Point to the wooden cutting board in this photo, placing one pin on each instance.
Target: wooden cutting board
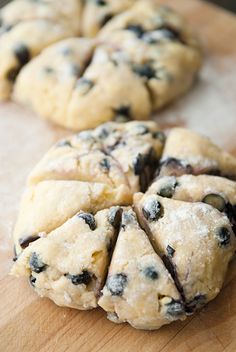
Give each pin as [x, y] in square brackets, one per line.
[28, 323]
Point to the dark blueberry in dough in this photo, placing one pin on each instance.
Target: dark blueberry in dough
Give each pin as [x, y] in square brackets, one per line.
[36, 263]
[122, 113]
[139, 164]
[223, 236]
[151, 273]
[170, 251]
[116, 284]
[197, 302]
[174, 167]
[32, 280]
[168, 190]
[215, 200]
[85, 84]
[15, 254]
[105, 165]
[175, 308]
[84, 278]
[66, 51]
[48, 70]
[145, 70]
[12, 74]
[103, 133]
[114, 216]
[64, 143]
[159, 135]
[128, 218]
[152, 210]
[141, 129]
[89, 219]
[106, 19]
[75, 70]
[22, 54]
[101, 2]
[169, 33]
[25, 241]
[230, 211]
[136, 29]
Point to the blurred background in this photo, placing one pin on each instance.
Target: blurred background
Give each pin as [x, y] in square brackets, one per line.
[227, 4]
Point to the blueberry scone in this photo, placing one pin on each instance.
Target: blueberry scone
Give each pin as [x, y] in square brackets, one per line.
[195, 241]
[139, 289]
[141, 60]
[26, 29]
[61, 267]
[216, 191]
[82, 244]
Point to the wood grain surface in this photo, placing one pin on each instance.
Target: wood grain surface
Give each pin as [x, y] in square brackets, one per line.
[28, 323]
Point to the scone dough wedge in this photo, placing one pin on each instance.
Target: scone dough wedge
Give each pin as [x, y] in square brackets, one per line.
[48, 204]
[139, 290]
[70, 264]
[218, 192]
[187, 152]
[53, 75]
[195, 241]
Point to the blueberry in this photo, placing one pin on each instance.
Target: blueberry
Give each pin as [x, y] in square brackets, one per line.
[145, 70]
[116, 284]
[89, 220]
[139, 164]
[84, 85]
[84, 278]
[151, 273]
[159, 135]
[12, 74]
[175, 308]
[64, 143]
[168, 190]
[36, 264]
[32, 280]
[106, 19]
[122, 113]
[215, 200]
[197, 302]
[100, 2]
[223, 236]
[114, 216]
[105, 164]
[66, 51]
[103, 133]
[170, 251]
[22, 54]
[25, 241]
[230, 211]
[127, 219]
[152, 210]
[141, 129]
[174, 167]
[136, 29]
[48, 70]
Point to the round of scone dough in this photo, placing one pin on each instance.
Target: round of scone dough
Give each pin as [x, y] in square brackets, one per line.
[98, 12]
[139, 289]
[218, 192]
[141, 60]
[170, 256]
[195, 241]
[70, 264]
[187, 152]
